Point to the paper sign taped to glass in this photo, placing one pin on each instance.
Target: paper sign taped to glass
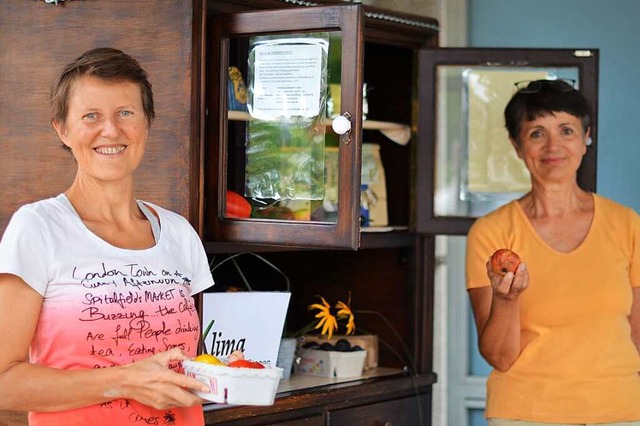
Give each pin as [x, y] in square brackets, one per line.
[287, 92]
[250, 321]
[493, 166]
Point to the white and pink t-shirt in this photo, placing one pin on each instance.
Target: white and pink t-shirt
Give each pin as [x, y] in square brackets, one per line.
[105, 306]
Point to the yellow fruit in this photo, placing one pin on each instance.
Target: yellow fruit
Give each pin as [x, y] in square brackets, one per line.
[208, 359]
[302, 215]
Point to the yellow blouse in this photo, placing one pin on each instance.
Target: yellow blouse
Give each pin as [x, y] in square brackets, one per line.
[578, 363]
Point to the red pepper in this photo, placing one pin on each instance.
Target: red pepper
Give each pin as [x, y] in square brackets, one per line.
[245, 363]
[237, 206]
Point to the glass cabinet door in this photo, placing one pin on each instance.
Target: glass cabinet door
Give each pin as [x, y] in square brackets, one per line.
[471, 167]
[282, 157]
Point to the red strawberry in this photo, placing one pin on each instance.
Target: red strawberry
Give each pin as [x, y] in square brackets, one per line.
[245, 363]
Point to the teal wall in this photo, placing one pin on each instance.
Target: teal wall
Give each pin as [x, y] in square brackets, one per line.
[613, 27]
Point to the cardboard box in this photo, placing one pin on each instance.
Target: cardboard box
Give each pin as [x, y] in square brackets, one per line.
[369, 342]
[372, 175]
[331, 363]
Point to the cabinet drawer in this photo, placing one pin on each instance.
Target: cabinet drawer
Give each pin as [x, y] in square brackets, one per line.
[293, 417]
[318, 420]
[411, 411]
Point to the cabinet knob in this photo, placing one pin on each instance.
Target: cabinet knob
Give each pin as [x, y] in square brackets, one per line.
[341, 124]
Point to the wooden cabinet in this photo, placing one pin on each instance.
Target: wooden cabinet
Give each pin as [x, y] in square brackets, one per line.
[389, 273]
[462, 98]
[371, 47]
[13, 418]
[409, 411]
[402, 401]
[229, 150]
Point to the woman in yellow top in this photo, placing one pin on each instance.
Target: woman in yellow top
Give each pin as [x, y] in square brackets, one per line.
[563, 332]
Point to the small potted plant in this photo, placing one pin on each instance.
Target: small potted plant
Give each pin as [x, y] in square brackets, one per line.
[330, 354]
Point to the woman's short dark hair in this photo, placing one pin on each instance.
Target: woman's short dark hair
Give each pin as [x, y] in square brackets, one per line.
[544, 97]
[104, 63]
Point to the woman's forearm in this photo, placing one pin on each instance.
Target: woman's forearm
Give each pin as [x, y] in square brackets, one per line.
[151, 382]
[28, 387]
[499, 339]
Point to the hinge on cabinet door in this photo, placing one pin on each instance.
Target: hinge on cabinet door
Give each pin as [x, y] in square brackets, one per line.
[582, 53]
[300, 2]
[509, 63]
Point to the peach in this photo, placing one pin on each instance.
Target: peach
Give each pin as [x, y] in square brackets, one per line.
[503, 261]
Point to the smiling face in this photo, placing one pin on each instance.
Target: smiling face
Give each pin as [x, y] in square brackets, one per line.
[552, 147]
[106, 128]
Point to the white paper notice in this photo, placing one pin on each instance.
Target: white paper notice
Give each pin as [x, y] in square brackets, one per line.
[287, 81]
[250, 321]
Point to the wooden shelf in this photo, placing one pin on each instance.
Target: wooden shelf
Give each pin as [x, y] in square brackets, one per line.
[399, 133]
[306, 382]
[369, 240]
[314, 401]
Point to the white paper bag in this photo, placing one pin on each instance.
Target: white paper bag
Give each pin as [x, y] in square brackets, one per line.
[249, 321]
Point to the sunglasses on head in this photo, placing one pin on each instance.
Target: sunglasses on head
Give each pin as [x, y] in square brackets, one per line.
[534, 86]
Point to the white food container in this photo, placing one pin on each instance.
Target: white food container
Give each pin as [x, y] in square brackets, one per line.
[231, 385]
[331, 363]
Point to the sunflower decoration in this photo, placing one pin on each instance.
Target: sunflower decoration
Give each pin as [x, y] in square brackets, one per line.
[328, 321]
[344, 311]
